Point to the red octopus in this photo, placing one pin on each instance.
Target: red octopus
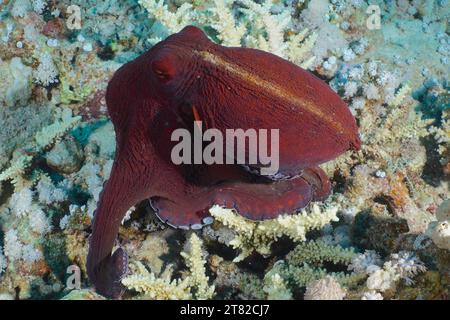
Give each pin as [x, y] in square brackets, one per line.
[187, 77]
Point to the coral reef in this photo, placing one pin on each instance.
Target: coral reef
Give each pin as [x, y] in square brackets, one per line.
[259, 236]
[383, 234]
[195, 285]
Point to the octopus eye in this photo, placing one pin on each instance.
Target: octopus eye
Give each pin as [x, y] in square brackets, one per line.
[161, 75]
[164, 67]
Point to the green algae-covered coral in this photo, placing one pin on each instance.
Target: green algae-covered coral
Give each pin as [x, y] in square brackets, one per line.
[310, 261]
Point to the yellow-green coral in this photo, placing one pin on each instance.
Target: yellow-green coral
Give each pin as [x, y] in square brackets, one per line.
[401, 94]
[261, 28]
[230, 33]
[276, 288]
[196, 264]
[16, 169]
[299, 48]
[301, 276]
[305, 264]
[50, 134]
[173, 21]
[76, 95]
[442, 135]
[195, 285]
[259, 236]
[152, 287]
[317, 252]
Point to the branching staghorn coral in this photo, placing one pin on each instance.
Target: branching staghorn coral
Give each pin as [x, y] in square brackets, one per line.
[390, 128]
[393, 155]
[299, 48]
[196, 264]
[151, 287]
[274, 24]
[230, 31]
[173, 21]
[305, 264]
[276, 288]
[252, 25]
[387, 110]
[52, 133]
[259, 236]
[442, 135]
[398, 118]
[44, 138]
[17, 168]
[195, 285]
[317, 252]
[404, 91]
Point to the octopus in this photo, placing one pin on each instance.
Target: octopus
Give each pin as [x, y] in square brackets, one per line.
[187, 78]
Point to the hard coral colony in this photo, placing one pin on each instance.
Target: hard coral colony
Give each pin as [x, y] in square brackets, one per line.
[356, 210]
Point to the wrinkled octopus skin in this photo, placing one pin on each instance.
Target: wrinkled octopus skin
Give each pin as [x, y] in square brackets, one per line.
[187, 77]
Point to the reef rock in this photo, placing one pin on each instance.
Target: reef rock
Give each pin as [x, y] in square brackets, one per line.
[66, 156]
[439, 231]
[325, 289]
[15, 87]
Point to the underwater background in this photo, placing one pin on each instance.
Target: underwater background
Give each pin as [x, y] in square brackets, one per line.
[384, 233]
